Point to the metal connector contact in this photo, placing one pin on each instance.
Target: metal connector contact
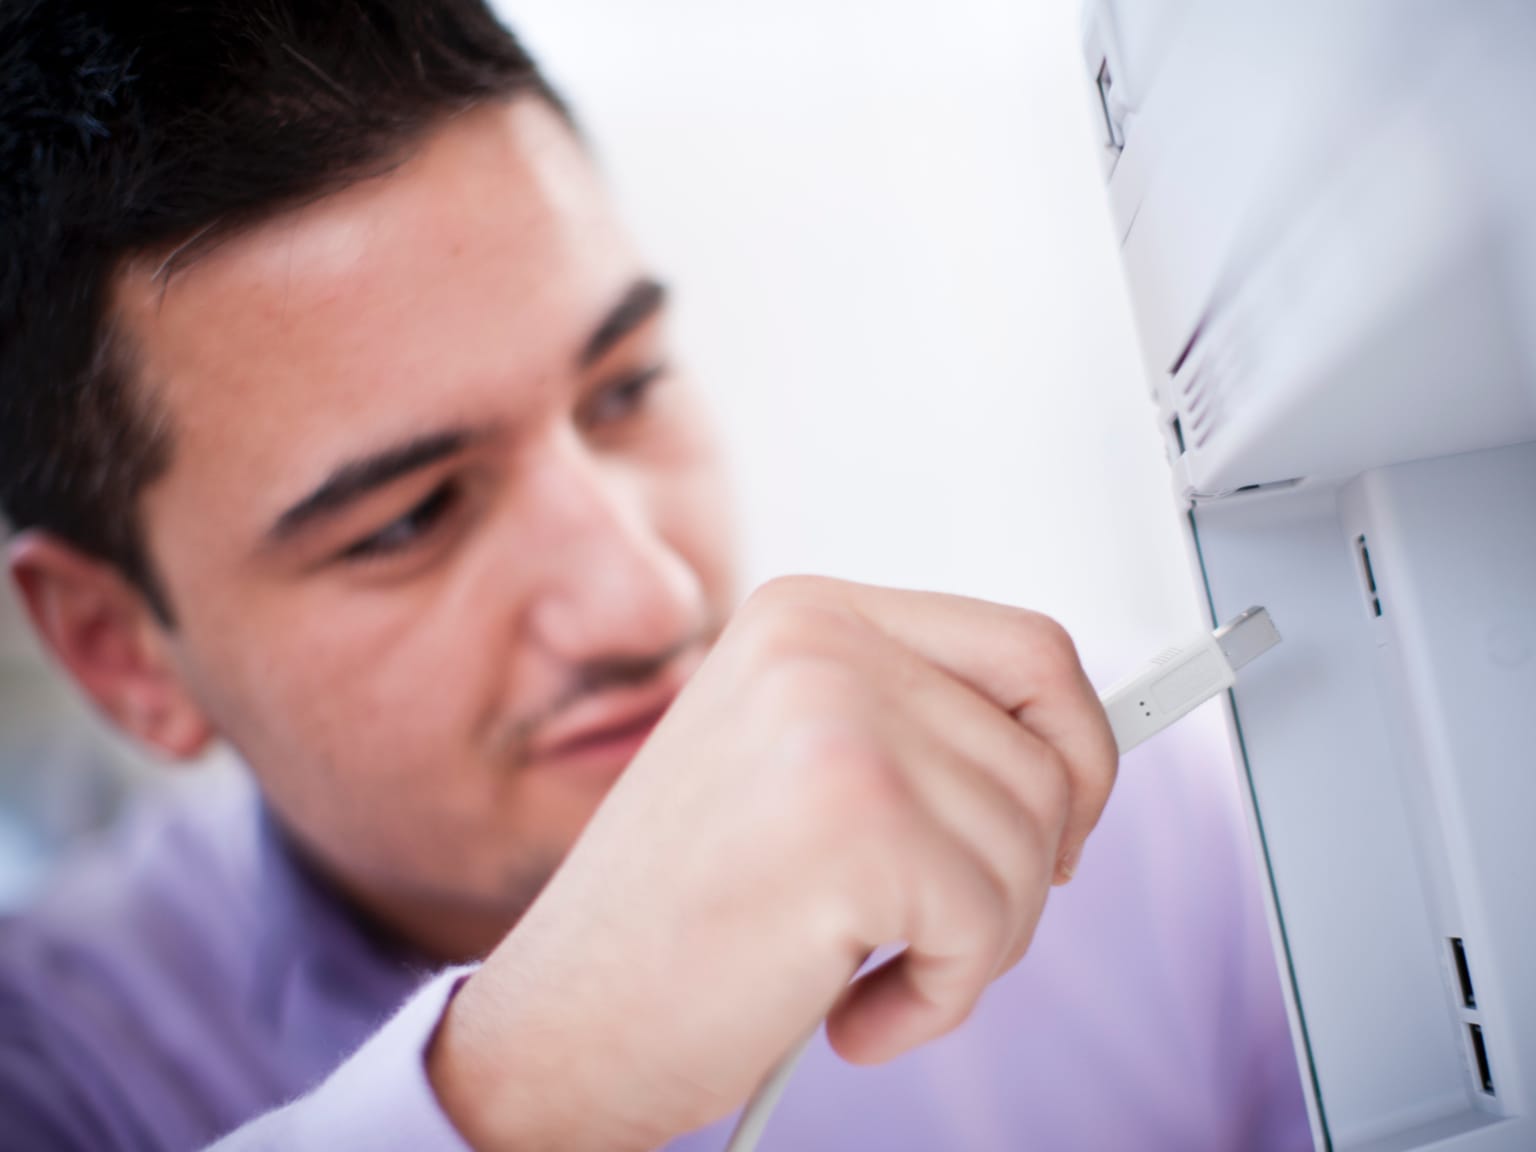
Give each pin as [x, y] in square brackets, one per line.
[1245, 638]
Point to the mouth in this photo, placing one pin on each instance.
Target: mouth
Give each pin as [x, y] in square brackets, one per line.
[600, 735]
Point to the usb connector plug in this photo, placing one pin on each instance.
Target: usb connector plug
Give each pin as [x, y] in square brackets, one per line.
[1179, 680]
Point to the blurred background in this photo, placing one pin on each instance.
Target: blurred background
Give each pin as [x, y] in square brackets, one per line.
[896, 276]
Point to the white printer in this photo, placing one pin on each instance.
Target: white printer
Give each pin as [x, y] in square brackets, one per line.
[1327, 217]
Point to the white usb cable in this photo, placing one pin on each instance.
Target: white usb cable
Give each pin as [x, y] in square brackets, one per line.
[1174, 683]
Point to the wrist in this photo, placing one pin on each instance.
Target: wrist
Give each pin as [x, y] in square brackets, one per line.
[510, 1096]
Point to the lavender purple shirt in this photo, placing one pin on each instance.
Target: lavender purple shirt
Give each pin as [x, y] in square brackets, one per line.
[188, 982]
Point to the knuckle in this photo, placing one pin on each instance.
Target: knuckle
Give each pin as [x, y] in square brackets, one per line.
[778, 625]
[774, 592]
[770, 638]
[781, 591]
[1053, 643]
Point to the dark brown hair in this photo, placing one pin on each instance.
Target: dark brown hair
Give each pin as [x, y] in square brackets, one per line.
[147, 126]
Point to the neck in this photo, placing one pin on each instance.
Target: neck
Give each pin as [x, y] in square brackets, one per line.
[432, 931]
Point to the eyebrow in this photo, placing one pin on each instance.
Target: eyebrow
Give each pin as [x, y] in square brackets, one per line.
[644, 298]
[356, 479]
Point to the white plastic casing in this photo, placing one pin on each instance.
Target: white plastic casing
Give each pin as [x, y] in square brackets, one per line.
[1327, 220]
[1174, 683]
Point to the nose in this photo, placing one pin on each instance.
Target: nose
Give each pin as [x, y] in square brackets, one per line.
[610, 586]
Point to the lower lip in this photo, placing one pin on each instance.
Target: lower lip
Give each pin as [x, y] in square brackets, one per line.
[603, 758]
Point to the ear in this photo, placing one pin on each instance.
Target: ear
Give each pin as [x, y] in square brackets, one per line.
[104, 634]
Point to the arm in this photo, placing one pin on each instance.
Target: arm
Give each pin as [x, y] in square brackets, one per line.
[850, 768]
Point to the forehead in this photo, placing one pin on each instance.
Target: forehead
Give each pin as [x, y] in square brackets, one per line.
[466, 275]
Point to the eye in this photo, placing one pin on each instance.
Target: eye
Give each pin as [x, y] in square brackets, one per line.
[407, 530]
[623, 398]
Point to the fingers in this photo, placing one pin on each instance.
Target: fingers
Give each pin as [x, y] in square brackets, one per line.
[1010, 833]
[958, 932]
[998, 788]
[1024, 663]
[976, 855]
[981, 760]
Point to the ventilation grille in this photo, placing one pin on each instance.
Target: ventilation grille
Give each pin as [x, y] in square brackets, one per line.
[1203, 376]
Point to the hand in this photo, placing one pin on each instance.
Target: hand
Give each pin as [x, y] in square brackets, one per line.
[851, 767]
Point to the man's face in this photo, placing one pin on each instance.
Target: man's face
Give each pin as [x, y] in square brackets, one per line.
[444, 530]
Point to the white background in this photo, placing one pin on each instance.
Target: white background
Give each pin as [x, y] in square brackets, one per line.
[898, 279]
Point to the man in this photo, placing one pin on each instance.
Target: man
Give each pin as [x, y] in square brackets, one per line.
[338, 423]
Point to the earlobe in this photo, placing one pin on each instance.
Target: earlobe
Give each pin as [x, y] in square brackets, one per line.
[101, 631]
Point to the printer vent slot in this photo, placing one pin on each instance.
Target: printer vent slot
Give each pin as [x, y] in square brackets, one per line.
[1202, 404]
[1368, 574]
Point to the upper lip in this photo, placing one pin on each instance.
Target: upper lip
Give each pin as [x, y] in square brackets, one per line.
[607, 714]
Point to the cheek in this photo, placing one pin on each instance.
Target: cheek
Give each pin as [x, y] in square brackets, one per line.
[332, 688]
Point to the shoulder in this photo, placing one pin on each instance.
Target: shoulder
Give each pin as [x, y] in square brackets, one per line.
[48, 1096]
[107, 974]
[170, 890]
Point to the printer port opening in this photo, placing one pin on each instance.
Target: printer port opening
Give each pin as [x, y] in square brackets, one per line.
[1373, 595]
[1463, 972]
[1106, 83]
[1480, 1055]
